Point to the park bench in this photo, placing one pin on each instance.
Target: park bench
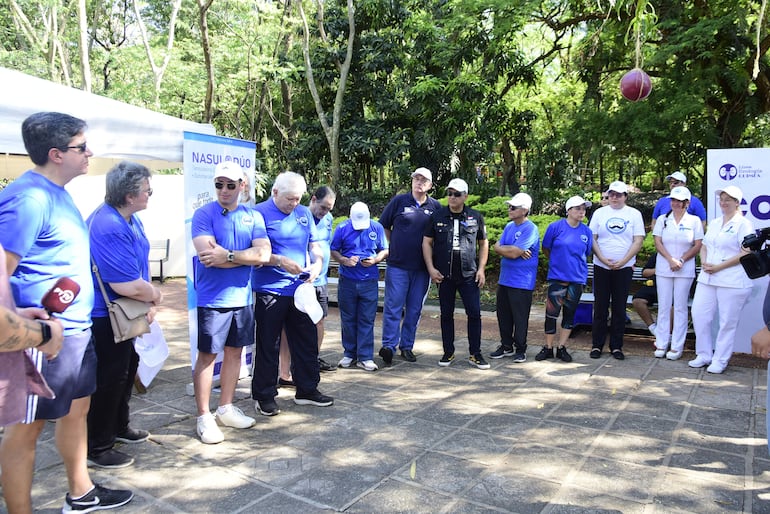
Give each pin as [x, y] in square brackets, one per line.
[159, 249]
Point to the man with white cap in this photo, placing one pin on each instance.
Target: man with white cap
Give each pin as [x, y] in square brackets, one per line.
[519, 247]
[358, 244]
[663, 206]
[406, 279]
[618, 232]
[229, 239]
[449, 248]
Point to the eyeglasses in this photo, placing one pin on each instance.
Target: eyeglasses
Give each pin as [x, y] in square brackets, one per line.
[81, 148]
[456, 194]
[615, 194]
[230, 185]
[512, 208]
[605, 197]
[148, 191]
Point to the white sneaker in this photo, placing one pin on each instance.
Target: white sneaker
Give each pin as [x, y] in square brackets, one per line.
[367, 365]
[232, 416]
[208, 430]
[699, 362]
[652, 328]
[673, 356]
[715, 368]
[345, 362]
[660, 353]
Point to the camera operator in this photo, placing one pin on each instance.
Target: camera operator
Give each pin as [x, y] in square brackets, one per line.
[760, 347]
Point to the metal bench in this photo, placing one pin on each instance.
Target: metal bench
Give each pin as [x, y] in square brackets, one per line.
[159, 249]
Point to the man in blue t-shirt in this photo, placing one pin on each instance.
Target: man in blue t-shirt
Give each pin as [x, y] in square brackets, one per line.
[663, 206]
[229, 240]
[406, 279]
[518, 246]
[296, 259]
[45, 239]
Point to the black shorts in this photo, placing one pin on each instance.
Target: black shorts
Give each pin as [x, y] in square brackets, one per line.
[648, 293]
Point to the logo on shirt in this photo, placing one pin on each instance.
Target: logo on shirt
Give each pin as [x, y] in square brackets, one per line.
[583, 238]
[616, 225]
[247, 220]
[373, 236]
[303, 221]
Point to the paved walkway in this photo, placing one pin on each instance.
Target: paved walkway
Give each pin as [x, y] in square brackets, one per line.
[642, 435]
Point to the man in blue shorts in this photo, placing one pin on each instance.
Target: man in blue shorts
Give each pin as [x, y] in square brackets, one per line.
[45, 239]
[229, 239]
[296, 259]
[406, 278]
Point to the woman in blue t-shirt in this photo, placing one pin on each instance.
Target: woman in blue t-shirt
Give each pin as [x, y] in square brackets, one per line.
[567, 244]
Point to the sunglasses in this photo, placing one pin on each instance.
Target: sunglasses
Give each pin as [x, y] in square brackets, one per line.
[148, 191]
[512, 208]
[81, 148]
[230, 185]
[456, 194]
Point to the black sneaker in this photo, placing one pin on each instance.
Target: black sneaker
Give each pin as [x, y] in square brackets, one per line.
[618, 354]
[325, 366]
[313, 398]
[267, 407]
[595, 353]
[561, 353]
[408, 355]
[478, 361]
[111, 459]
[545, 353]
[447, 359]
[519, 357]
[502, 351]
[386, 354]
[282, 382]
[133, 436]
[98, 498]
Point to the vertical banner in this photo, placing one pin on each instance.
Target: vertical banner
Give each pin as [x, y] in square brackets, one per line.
[202, 153]
[749, 169]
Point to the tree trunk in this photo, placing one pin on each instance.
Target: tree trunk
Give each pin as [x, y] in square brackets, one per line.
[208, 101]
[85, 64]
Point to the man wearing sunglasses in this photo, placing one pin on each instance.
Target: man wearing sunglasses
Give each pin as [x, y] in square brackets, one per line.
[449, 248]
[663, 206]
[229, 240]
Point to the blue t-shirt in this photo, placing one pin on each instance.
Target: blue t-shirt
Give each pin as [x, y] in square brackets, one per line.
[120, 250]
[290, 235]
[569, 249]
[40, 223]
[663, 206]
[225, 287]
[520, 273]
[324, 229]
[406, 220]
[363, 243]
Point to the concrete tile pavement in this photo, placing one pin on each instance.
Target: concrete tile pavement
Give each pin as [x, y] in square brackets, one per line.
[641, 435]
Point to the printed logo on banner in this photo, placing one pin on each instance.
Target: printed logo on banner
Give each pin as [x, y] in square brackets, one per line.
[728, 171]
[731, 171]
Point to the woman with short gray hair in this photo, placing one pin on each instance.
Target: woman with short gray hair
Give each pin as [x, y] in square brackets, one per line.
[120, 250]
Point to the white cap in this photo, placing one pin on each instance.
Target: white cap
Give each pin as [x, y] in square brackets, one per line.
[425, 172]
[359, 216]
[229, 170]
[677, 175]
[520, 200]
[731, 191]
[305, 301]
[458, 185]
[576, 201]
[618, 186]
[680, 193]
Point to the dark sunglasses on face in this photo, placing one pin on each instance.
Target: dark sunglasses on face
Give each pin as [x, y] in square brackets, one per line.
[456, 194]
[512, 208]
[230, 185]
[81, 148]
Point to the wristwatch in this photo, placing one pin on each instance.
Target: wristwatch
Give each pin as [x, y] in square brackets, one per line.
[230, 256]
[46, 331]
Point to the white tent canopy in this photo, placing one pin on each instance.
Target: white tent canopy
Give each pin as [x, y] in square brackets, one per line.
[115, 129]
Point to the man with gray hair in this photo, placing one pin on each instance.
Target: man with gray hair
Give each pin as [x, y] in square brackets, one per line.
[296, 260]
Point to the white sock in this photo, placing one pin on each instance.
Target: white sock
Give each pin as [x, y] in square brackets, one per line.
[223, 408]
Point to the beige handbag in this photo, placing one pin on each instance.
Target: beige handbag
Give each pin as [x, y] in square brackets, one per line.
[128, 317]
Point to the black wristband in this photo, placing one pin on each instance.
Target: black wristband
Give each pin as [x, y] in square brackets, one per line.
[46, 331]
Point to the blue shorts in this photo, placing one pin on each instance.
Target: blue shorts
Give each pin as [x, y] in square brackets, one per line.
[220, 327]
[322, 294]
[71, 375]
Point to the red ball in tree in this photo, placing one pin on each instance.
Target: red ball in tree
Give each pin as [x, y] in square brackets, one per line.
[635, 85]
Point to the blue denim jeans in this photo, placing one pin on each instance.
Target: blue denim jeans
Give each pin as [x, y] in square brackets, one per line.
[358, 308]
[469, 292]
[405, 293]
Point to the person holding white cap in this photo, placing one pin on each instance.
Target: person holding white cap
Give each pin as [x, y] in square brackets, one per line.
[449, 248]
[229, 239]
[406, 279]
[723, 286]
[618, 232]
[663, 206]
[358, 244]
[678, 238]
[518, 246]
[567, 244]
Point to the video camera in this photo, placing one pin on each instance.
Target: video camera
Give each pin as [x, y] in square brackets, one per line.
[757, 263]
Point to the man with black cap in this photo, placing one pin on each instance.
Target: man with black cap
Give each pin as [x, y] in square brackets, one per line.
[663, 206]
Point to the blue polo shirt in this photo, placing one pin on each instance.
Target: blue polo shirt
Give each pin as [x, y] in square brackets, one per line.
[40, 223]
[363, 243]
[225, 287]
[569, 249]
[290, 236]
[324, 228]
[520, 273]
[120, 250]
[663, 206]
[406, 220]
